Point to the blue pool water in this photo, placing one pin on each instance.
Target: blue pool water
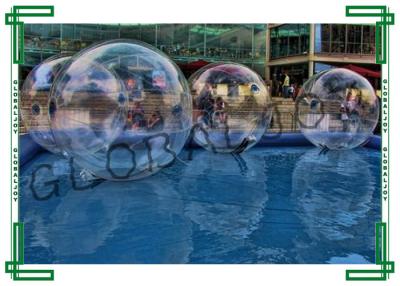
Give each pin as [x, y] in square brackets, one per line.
[270, 205]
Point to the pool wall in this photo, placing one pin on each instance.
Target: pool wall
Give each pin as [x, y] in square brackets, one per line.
[29, 148]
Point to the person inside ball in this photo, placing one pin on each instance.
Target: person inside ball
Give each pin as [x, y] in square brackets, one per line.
[156, 121]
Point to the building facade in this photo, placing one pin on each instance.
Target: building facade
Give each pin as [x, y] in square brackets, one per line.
[302, 50]
[184, 43]
[269, 49]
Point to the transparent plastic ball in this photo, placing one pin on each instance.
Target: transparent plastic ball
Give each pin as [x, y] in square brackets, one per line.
[35, 94]
[123, 110]
[337, 109]
[231, 107]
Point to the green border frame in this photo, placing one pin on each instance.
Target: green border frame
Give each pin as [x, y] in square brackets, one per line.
[381, 230]
[381, 57]
[17, 228]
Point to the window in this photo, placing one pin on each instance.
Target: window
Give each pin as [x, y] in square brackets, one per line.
[351, 39]
[181, 38]
[243, 43]
[259, 41]
[368, 40]
[196, 39]
[42, 36]
[148, 33]
[354, 39]
[338, 38]
[289, 40]
[130, 31]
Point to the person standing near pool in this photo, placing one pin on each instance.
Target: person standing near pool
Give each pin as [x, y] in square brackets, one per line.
[286, 84]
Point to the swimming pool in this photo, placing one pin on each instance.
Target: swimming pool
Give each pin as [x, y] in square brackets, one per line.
[269, 205]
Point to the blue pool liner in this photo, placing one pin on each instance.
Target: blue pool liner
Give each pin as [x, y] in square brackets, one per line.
[28, 149]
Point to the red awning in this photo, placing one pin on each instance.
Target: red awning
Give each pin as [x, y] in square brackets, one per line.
[193, 65]
[363, 71]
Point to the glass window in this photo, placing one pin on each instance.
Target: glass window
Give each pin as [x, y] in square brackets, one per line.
[68, 31]
[304, 38]
[274, 44]
[184, 42]
[241, 40]
[181, 39]
[229, 41]
[148, 33]
[42, 36]
[42, 30]
[87, 32]
[95, 33]
[213, 41]
[338, 38]
[368, 39]
[325, 38]
[130, 31]
[289, 40]
[165, 35]
[108, 32]
[259, 41]
[196, 39]
[354, 39]
[294, 39]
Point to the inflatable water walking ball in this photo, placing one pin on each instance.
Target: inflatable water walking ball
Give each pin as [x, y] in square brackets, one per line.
[231, 107]
[337, 109]
[122, 110]
[35, 94]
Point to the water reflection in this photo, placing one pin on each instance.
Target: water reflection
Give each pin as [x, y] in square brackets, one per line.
[225, 197]
[334, 194]
[141, 222]
[225, 194]
[265, 206]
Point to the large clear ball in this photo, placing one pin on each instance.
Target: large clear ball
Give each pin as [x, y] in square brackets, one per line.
[123, 110]
[35, 94]
[231, 107]
[337, 109]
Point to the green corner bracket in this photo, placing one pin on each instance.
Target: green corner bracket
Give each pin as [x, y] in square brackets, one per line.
[13, 267]
[17, 32]
[13, 19]
[381, 259]
[386, 18]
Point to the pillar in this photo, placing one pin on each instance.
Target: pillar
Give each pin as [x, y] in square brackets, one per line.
[311, 51]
